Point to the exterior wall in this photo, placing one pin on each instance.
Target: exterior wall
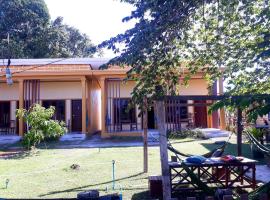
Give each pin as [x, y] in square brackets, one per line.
[60, 90]
[8, 93]
[126, 89]
[195, 87]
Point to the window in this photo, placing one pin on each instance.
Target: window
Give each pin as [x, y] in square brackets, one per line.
[59, 108]
[175, 112]
[124, 112]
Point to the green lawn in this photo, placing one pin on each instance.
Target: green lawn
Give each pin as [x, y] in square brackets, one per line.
[47, 173]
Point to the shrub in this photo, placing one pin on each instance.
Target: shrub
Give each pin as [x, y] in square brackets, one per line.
[257, 133]
[40, 126]
[32, 138]
[194, 133]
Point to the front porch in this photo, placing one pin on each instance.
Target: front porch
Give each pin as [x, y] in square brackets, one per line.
[121, 118]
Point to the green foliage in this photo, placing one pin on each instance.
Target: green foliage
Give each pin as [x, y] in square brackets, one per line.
[33, 35]
[32, 138]
[41, 126]
[63, 41]
[253, 106]
[196, 36]
[194, 133]
[257, 133]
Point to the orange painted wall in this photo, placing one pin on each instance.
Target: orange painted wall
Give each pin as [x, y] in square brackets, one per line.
[95, 106]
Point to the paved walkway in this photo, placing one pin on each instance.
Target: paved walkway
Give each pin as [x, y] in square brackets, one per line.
[78, 140]
[9, 139]
[214, 133]
[95, 141]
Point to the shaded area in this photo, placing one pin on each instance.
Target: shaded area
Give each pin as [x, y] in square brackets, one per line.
[83, 188]
[4, 147]
[141, 196]
[16, 154]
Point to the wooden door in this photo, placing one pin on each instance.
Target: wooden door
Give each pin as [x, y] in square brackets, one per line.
[4, 114]
[200, 115]
[76, 123]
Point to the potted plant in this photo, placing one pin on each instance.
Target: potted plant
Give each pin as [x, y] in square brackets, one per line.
[258, 134]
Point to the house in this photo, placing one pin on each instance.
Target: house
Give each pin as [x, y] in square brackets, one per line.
[89, 99]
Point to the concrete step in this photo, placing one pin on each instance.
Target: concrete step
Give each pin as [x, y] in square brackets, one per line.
[73, 137]
[214, 133]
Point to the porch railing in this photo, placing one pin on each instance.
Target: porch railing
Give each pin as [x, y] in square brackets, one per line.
[121, 116]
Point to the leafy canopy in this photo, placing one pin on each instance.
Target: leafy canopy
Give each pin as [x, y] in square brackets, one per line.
[40, 125]
[216, 37]
[33, 35]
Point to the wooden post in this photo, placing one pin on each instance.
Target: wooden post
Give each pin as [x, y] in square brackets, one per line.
[239, 132]
[145, 138]
[103, 107]
[83, 82]
[215, 113]
[21, 100]
[160, 114]
[221, 111]
[89, 105]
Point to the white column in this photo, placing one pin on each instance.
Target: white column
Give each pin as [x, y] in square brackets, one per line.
[13, 108]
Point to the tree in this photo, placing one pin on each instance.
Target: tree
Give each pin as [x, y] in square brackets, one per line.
[24, 20]
[40, 125]
[199, 36]
[153, 47]
[33, 35]
[66, 41]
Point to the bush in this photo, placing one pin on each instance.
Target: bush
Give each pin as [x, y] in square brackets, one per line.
[257, 133]
[40, 126]
[32, 138]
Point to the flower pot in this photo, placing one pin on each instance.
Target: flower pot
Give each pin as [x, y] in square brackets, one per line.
[256, 153]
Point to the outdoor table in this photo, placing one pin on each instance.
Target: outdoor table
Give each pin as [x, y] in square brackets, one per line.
[214, 173]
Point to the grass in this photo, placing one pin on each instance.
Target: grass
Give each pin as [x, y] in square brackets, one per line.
[46, 173]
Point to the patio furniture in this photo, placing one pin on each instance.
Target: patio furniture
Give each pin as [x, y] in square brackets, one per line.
[233, 175]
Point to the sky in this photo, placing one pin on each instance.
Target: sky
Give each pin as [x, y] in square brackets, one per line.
[99, 19]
